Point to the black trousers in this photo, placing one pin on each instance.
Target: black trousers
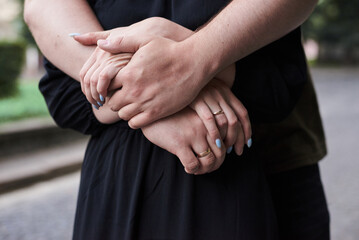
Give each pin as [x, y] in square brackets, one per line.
[300, 204]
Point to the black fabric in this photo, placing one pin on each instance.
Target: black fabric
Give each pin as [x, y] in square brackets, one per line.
[300, 204]
[268, 82]
[131, 189]
[67, 104]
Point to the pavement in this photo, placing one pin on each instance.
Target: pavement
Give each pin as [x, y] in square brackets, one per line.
[46, 209]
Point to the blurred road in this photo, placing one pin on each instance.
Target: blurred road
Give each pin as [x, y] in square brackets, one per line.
[46, 211]
[338, 94]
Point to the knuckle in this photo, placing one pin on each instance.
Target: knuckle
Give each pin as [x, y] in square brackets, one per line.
[113, 106]
[222, 122]
[213, 132]
[133, 125]
[210, 161]
[86, 82]
[136, 92]
[208, 116]
[93, 81]
[232, 122]
[245, 113]
[123, 115]
[192, 166]
[101, 90]
[82, 74]
[103, 75]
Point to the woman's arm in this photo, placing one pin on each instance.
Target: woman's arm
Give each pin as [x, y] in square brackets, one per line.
[50, 22]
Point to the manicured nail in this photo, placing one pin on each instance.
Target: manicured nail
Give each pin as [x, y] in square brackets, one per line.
[218, 143]
[95, 106]
[100, 104]
[102, 98]
[74, 34]
[229, 150]
[102, 42]
[249, 143]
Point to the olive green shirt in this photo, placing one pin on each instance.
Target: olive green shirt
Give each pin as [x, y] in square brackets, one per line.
[294, 142]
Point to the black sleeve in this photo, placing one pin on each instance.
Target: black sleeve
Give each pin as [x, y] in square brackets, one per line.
[270, 81]
[67, 104]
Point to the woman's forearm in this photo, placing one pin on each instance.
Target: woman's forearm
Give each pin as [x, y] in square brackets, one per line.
[51, 21]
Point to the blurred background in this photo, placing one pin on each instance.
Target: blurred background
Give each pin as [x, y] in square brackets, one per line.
[39, 169]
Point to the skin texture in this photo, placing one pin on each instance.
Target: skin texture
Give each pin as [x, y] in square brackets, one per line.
[66, 55]
[239, 29]
[101, 71]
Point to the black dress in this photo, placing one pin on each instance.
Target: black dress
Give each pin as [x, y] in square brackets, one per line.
[132, 189]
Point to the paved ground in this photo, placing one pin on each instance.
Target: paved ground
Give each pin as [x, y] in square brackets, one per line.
[41, 212]
[45, 211]
[338, 91]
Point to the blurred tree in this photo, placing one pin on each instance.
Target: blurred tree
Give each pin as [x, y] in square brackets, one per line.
[12, 55]
[335, 26]
[24, 30]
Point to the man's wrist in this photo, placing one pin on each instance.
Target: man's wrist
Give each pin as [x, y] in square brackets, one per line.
[198, 52]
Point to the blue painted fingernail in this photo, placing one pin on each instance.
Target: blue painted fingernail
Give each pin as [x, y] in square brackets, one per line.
[100, 104]
[249, 143]
[218, 143]
[95, 106]
[74, 34]
[102, 98]
[229, 150]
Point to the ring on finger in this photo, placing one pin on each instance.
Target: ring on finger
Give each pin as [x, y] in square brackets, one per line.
[205, 153]
[218, 112]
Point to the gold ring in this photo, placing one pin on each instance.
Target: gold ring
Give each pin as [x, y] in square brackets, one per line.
[205, 153]
[218, 112]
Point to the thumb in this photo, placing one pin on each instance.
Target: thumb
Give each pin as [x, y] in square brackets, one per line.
[128, 44]
[91, 38]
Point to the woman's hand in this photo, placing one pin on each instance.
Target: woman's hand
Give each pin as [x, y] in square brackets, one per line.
[184, 135]
[218, 108]
[97, 73]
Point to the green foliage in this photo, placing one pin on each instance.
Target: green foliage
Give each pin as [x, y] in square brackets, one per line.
[335, 24]
[27, 103]
[24, 30]
[12, 55]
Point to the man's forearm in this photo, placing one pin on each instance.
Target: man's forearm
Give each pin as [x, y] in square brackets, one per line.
[245, 26]
[50, 23]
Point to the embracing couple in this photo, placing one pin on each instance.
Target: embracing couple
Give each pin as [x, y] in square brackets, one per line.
[174, 93]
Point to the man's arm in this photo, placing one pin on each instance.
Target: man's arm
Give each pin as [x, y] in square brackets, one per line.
[244, 27]
[238, 30]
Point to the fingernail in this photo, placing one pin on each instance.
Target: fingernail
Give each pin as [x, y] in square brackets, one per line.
[102, 98]
[102, 42]
[229, 150]
[100, 104]
[249, 142]
[218, 143]
[95, 106]
[74, 34]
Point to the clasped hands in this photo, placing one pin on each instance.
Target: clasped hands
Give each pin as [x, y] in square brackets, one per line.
[148, 77]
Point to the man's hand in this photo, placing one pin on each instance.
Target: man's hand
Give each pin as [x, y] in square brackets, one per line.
[161, 79]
